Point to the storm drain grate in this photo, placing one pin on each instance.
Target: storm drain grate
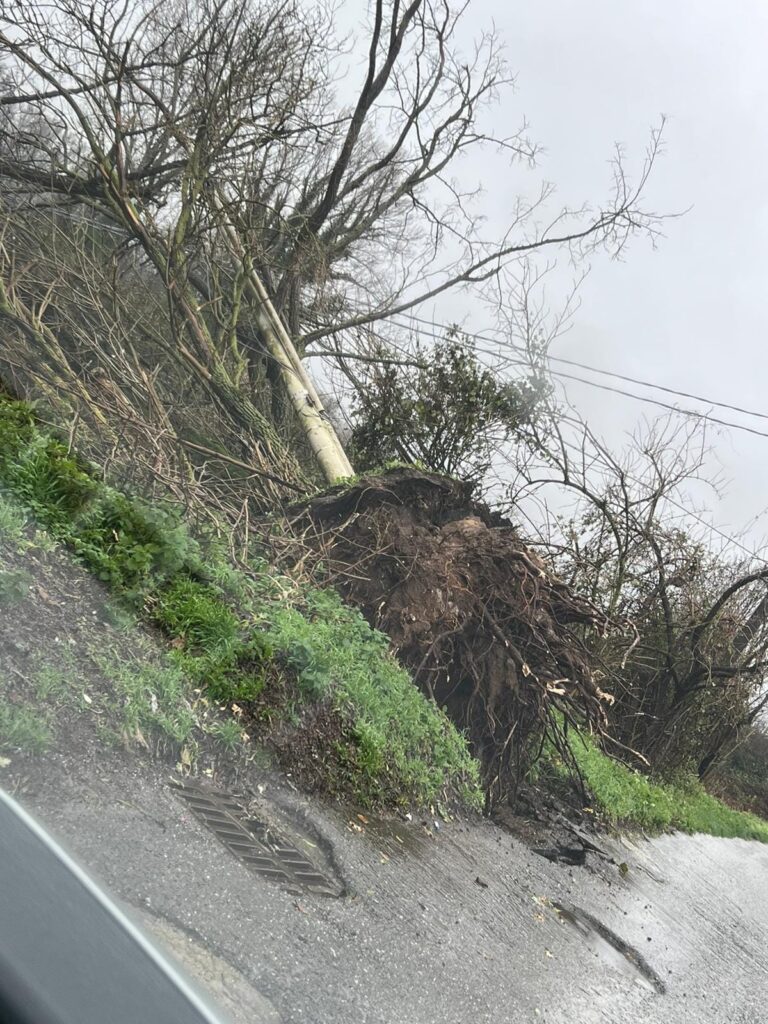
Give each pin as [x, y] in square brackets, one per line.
[258, 845]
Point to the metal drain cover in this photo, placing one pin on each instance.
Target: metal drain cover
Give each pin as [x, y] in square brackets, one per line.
[258, 845]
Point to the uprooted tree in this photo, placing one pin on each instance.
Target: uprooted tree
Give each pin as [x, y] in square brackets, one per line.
[188, 212]
[486, 628]
[175, 172]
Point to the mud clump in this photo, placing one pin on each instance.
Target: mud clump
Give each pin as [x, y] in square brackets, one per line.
[479, 619]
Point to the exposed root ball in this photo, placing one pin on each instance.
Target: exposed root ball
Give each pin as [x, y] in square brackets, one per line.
[477, 617]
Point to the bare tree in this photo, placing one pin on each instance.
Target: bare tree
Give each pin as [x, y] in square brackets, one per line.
[210, 133]
[691, 672]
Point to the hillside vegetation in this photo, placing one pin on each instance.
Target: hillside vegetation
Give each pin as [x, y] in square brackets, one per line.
[246, 636]
[200, 207]
[290, 664]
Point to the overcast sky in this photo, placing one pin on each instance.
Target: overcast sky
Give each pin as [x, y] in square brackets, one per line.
[692, 314]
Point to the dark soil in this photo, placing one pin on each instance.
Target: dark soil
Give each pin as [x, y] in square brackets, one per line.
[478, 618]
[62, 613]
[62, 618]
[310, 741]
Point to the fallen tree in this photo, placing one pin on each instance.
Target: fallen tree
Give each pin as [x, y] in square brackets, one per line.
[484, 626]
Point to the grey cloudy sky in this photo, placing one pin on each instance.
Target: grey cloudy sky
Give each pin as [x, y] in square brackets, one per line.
[692, 314]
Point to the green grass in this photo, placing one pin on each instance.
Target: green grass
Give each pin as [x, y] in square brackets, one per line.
[12, 524]
[237, 634]
[629, 798]
[23, 728]
[227, 732]
[150, 698]
[403, 744]
[30, 726]
[142, 693]
[54, 682]
[195, 613]
[145, 696]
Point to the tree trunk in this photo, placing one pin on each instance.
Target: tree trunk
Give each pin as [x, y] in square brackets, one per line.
[294, 379]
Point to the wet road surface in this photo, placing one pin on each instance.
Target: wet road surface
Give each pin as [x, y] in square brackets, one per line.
[462, 925]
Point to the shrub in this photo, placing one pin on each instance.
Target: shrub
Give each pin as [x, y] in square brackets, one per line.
[132, 545]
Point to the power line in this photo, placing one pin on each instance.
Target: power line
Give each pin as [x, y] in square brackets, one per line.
[606, 387]
[676, 504]
[660, 387]
[593, 369]
[663, 405]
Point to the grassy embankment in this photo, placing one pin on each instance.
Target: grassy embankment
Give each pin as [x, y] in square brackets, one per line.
[260, 641]
[283, 652]
[627, 797]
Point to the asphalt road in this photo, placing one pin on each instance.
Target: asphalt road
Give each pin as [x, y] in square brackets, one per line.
[461, 925]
